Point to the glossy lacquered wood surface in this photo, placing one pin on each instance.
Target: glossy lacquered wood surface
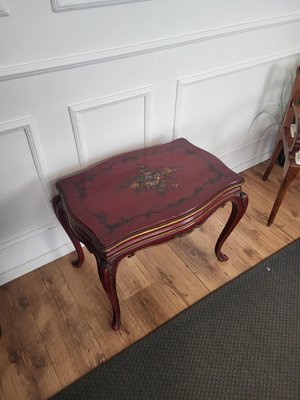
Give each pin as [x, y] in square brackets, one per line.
[127, 194]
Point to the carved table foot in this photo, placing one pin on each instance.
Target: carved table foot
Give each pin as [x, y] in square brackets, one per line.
[239, 206]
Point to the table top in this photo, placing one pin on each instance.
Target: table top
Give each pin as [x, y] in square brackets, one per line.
[143, 189]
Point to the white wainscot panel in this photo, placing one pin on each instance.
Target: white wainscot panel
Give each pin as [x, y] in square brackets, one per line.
[69, 5]
[215, 110]
[110, 125]
[24, 208]
[4, 11]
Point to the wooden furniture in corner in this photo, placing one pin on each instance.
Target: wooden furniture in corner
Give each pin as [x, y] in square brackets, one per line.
[288, 141]
[143, 198]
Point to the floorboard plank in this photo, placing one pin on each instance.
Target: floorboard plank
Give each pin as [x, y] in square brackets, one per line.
[197, 252]
[172, 274]
[26, 369]
[85, 285]
[2, 397]
[70, 343]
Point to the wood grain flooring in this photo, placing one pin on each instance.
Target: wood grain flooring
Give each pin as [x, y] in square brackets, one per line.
[56, 319]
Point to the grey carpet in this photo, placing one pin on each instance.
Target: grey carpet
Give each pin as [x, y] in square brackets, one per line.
[241, 342]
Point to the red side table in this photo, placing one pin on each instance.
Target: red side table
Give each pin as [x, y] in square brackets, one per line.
[143, 198]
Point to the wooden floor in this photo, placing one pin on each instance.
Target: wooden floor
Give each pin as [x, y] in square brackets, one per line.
[56, 319]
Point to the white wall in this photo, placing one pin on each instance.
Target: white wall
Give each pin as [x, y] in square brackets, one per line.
[84, 79]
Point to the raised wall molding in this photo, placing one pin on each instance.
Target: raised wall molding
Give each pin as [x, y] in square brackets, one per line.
[71, 5]
[27, 127]
[76, 112]
[57, 64]
[192, 80]
[4, 11]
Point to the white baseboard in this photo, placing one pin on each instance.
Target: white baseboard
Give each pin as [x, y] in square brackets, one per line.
[252, 162]
[36, 263]
[249, 154]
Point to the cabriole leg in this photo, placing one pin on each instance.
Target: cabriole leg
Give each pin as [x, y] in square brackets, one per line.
[239, 206]
[107, 273]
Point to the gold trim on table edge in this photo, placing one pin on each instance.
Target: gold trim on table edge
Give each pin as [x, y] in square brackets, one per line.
[108, 249]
